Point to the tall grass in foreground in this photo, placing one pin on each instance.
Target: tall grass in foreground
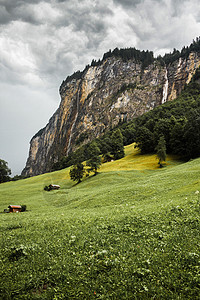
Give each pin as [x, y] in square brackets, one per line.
[119, 235]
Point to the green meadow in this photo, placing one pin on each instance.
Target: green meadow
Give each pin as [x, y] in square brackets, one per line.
[131, 232]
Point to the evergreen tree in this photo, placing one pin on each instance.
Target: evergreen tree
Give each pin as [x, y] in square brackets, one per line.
[161, 151]
[177, 139]
[4, 171]
[129, 133]
[76, 172]
[117, 144]
[192, 135]
[79, 155]
[144, 140]
[105, 147]
[162, 127]
[94, 161]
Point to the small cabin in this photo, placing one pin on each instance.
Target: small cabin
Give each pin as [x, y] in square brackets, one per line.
[54, 187]
[14, 208]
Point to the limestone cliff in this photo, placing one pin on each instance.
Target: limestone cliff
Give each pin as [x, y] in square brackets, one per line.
[100, 97]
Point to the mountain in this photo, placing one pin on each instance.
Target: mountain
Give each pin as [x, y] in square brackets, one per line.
[125, 84]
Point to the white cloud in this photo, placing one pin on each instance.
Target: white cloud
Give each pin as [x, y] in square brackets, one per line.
[45, 12]
[18, 64]
[119, 33]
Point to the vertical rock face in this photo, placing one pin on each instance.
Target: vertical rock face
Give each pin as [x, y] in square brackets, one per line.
[104, 95]
[181, 72]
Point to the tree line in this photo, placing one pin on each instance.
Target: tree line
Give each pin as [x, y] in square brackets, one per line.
[144, 57]
[184, 53]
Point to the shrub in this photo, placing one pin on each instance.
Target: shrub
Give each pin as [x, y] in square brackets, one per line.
[46, 188]
[23, 208]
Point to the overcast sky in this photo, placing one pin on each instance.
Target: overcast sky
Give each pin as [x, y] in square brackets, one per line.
[42, 42]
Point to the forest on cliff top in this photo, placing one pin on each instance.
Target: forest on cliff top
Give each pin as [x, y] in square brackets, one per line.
[143, 57]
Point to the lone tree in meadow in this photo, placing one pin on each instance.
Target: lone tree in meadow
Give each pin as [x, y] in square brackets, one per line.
[76, 172]
[94, 161]
[161, 151]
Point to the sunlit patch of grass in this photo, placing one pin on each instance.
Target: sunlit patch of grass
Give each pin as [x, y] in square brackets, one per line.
[133, 160]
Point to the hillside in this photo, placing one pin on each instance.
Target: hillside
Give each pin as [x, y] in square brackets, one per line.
[132, 231]
[132, 161]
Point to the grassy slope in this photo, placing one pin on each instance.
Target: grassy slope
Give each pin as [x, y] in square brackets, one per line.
[130, 232]
[30, 191]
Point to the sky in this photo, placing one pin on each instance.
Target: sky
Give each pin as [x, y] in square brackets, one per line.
[42, 42]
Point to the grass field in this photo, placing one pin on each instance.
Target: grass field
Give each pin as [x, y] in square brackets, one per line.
[131, 232]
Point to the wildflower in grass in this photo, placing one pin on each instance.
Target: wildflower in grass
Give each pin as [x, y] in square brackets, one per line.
[73, 238]
[103, 252]
[197, 193]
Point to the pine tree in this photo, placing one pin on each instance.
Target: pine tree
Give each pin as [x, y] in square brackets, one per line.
[161, 151]
[144, 139]
[94, 161]
[117, 144]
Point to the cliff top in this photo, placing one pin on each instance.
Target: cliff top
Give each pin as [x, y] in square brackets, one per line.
[143, 57]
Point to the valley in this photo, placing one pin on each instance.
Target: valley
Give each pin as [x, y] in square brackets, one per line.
[128, 232]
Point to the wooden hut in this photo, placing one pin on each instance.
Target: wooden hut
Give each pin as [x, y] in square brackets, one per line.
[14, 208]
[54, 187]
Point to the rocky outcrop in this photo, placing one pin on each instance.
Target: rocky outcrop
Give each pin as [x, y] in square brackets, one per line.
[181, 73]
[113, 91]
